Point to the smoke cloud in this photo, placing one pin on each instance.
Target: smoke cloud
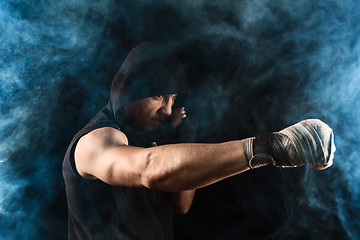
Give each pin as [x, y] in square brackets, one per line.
[255, 66]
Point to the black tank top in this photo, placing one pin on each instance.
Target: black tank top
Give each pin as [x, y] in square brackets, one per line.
[100, 211]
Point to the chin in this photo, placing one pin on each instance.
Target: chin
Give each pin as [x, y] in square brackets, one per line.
[151, 127]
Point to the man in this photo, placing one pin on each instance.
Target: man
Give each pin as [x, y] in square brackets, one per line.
[126, 171]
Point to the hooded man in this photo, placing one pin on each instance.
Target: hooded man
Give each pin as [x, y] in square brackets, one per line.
[129, 167]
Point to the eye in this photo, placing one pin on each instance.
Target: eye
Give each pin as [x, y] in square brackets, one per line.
[158, 97]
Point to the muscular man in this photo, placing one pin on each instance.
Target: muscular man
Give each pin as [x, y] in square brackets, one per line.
[128, 169]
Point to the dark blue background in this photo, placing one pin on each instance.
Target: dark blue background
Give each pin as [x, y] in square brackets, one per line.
[255, 66]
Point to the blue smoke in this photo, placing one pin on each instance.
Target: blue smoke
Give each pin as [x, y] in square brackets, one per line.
[43, 46]
[255, 66]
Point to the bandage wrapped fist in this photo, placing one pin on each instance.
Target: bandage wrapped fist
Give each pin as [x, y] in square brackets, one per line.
[309, 142]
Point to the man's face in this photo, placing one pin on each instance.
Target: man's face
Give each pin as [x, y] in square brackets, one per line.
[149, 113]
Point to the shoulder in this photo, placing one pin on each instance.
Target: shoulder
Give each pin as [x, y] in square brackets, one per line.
[94, 144]
[104, 137]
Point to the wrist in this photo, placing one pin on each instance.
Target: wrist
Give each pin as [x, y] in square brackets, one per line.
[256, 153]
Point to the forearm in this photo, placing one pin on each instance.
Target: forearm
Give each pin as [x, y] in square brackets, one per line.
[178, 167]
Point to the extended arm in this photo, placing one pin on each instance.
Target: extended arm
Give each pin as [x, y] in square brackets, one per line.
[104, 154]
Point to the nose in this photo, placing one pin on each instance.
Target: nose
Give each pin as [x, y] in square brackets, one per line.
[166, 108]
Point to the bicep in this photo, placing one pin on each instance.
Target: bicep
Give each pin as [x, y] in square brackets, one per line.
[104, 154]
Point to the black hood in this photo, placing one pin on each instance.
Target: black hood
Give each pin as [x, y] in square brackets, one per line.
[148, 70]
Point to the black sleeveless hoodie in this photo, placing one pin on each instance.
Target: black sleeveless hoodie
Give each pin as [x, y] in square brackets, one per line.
[99, 211]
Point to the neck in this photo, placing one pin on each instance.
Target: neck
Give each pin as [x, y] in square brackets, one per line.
[130, 118]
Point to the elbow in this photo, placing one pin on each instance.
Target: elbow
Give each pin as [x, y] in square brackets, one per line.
[154, 181]
[159, 174]
[182, 206]
[182, 201]
[151, 176]
[150, 181]
[181, 209]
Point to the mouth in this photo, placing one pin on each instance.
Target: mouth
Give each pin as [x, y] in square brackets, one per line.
[157, 121]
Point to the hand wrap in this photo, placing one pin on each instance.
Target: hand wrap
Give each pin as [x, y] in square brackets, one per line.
[309, 142]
